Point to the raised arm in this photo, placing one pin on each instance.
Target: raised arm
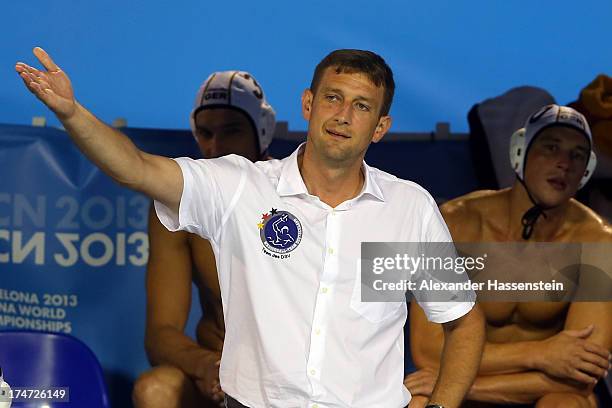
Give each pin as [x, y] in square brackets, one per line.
[158, 177]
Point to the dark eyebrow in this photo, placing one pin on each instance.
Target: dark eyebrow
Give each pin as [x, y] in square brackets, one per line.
[583, 149]
[358, 97]
[557, 139]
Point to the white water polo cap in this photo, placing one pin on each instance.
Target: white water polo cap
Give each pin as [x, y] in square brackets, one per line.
[545, 117]
[238, 90]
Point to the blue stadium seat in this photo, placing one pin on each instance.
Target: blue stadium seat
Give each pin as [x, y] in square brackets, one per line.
[39, 360]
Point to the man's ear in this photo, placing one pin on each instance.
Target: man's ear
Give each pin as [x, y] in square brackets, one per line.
[307, 97]
[384, 123]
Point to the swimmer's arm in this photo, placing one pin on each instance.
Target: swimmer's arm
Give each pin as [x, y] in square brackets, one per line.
[168, 283]
[520, 388]
[507, 358]
[426, 341]
[599, 314]
[158, 177]
[551, 355]
[527, 387]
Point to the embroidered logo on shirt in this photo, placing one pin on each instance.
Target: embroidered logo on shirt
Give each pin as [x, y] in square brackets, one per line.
[280, 231]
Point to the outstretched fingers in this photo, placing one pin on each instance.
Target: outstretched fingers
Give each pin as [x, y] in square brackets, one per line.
[37, 85]
[28, 74]
[46, 60]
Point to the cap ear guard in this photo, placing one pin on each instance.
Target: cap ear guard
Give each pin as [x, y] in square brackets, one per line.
[518, 146]
[518, 149]
[590, 169]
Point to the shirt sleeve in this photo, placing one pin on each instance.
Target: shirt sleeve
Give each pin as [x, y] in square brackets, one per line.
[441, 306]
[210, 186]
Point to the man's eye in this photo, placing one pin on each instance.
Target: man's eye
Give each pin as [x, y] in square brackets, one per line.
[232, 131]
[331, 98]
[363, 107]
[203, 133]
[551, 147]
[580, 156]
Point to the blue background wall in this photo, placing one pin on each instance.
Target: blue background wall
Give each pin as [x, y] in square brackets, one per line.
[144, 60]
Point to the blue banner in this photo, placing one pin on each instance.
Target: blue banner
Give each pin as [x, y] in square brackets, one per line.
[74, 245]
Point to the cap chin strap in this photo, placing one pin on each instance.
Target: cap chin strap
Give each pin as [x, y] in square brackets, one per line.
[531, 215]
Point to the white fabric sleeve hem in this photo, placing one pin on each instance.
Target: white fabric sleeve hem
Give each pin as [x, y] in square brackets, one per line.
[169, 219]
[453, 313]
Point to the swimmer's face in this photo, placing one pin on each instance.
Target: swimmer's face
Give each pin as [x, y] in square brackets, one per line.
[343, 115]
[555, 164]
[222, 131]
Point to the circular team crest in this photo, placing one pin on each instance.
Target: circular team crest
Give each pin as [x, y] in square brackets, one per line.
[280, 231]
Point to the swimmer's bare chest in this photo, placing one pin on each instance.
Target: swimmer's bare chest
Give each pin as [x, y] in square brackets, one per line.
[523, 321]
[515, 321]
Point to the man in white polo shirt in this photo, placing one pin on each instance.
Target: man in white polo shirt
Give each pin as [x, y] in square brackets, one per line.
[287, 236]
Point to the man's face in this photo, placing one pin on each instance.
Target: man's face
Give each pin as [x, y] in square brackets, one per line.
[343, 115]
[555, 164]
[221, 131]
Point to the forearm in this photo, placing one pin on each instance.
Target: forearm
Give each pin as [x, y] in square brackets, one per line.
[520, 388]
[110, 150]
[506, 358]
[460, 359]
[168, 345]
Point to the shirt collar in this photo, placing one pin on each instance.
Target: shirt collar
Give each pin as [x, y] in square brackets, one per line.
[291, 182]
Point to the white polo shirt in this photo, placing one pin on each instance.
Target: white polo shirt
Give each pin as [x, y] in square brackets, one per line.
[297, 333]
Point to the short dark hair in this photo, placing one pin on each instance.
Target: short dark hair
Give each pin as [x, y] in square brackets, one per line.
[359, 61]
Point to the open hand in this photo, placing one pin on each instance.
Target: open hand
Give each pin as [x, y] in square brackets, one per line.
[52, 86]
[569, 355]
[421, 382]
[208, 379]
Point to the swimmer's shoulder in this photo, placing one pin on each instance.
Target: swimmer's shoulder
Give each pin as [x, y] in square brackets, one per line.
[587, 225]
[474, 204]
[466, 215]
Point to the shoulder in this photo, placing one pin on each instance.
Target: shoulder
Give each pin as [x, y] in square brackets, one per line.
[472, 204]
[226, 169]
[467, 215]
[588, 226]
[395, 188]
[270, 167]
[224, 163]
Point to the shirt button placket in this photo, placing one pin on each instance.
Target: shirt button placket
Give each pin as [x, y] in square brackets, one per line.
[322, 305]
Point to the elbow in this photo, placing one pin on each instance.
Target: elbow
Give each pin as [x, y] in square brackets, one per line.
[150, 345]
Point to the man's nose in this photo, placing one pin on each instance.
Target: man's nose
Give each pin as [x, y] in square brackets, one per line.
[564, 160]
[344, 115]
